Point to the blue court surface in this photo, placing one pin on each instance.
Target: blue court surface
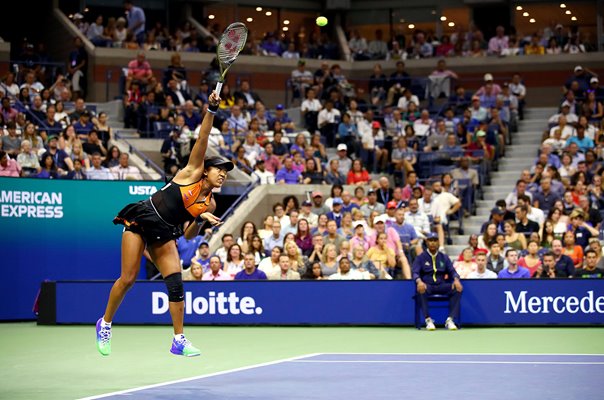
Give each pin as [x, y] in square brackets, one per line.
[395, 376]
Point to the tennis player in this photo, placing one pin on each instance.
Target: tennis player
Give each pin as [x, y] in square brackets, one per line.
[182, 206]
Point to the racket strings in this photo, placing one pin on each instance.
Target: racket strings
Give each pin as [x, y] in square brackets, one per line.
[231, 43]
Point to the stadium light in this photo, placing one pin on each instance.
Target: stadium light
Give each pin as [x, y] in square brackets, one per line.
[211, 16]
[562, 5]
[249, 19]
[451, 24]
[411, 26]
[532, 20]
[285, 29]
[258, 9]
[525, 14]
[518, 8]
[268, 13]
[573, 18]
[286, 22]
[567, 12]
[443, 18]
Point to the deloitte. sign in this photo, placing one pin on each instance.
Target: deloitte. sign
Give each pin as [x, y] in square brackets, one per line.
[524, 304]
[214, 304]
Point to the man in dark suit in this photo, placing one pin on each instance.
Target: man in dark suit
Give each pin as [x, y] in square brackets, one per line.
[250, 98]
[384, 193]
[179, 97]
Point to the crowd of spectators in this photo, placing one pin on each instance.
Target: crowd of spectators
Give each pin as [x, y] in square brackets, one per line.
[554, 39]
[54, 140]
[547, 227]
[131, 31]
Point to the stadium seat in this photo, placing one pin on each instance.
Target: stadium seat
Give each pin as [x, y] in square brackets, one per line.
[434, 298]
[162, 129]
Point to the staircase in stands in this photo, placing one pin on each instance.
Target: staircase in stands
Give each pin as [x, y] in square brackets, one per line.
[519, 156]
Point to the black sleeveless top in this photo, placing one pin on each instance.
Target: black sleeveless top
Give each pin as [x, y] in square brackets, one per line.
[177, 204]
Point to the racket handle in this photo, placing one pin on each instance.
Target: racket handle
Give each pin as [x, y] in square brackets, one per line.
[219, 87]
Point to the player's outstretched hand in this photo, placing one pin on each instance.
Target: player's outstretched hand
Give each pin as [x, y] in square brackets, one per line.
[211, 218]
[214, 99]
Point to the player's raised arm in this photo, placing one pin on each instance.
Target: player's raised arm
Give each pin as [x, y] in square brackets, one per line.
[194, 168]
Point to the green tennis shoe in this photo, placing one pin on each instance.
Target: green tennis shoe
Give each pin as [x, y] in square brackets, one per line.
[103, 338]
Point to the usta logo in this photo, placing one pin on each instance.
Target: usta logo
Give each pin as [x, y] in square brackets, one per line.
[142, 190]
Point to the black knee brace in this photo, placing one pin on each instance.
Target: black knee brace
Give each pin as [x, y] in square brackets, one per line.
[176, 292]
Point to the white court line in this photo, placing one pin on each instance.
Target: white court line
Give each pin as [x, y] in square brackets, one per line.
[127, 391]
[440, 362]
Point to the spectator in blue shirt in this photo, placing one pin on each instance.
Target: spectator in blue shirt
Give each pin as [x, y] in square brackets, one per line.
[333, 175]
[249, 271]
[136, 21]
[202, 256]
[237, 122]
[336, 214]
[202, 94]
[565, 268]
[581, 140]
[83, 126]
[433, 273]
[270, 46]
[274, 240]
[551, 159]
[283, 118]
[61, 159]
[347, 132]
[187, 249]
[513, 270]
[582, 230]
[280, 149]
[288, 175]
[406, 231]
[192, 117]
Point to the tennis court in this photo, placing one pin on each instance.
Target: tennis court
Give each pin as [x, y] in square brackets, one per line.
[61, 362]
[366, 375]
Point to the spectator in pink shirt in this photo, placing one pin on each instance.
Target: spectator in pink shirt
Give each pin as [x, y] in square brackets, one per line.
[393, 242]
[139, 69]
[499, 42]
[216, 273]
[489, 88]
[442, 70]
[411, 184]
[359, 239]
[8, 167]
[8, 112]
[271, 161]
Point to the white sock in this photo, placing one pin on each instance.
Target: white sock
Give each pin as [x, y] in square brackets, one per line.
[105, 324]
[180, 336]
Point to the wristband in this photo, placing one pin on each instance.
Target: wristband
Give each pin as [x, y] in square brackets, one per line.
[212, 109]
[199, 220]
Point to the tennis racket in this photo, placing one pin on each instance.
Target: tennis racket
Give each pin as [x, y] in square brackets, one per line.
[231, 42]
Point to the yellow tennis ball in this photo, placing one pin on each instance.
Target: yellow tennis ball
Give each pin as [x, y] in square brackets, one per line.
[321, 21]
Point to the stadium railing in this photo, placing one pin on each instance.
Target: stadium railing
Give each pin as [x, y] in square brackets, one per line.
[148, 162]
